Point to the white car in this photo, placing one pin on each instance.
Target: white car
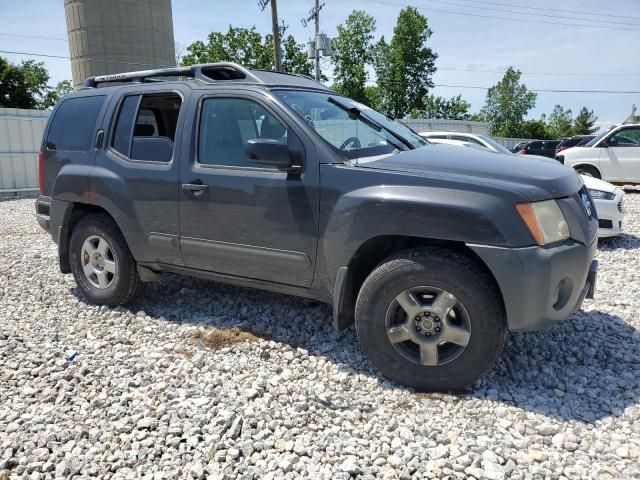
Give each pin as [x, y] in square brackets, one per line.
[613, 155]
[609, 206]
[474, 138]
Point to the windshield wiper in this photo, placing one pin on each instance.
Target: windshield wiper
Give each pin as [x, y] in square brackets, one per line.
[369, 121]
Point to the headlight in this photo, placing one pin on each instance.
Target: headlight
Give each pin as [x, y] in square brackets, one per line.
[544, 220]
[601, 195]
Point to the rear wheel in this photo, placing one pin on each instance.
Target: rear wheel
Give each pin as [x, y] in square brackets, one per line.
[431, 319]
[101, 262]
[588, 171]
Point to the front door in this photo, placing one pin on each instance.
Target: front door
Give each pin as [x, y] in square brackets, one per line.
[622, 155]
[239, 218]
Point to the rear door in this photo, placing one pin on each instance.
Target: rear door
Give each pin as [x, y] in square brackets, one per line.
[239, 218]
[136, 177]
[622, 155]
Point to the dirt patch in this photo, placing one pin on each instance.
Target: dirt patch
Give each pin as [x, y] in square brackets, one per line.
[215, 338]
[184, 352]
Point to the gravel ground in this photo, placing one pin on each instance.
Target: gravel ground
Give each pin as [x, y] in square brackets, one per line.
[170, 389]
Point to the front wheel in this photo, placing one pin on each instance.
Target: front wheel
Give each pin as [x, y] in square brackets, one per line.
[431, 319]
[101, 262]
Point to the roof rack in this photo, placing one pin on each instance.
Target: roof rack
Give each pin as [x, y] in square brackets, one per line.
[207, 73]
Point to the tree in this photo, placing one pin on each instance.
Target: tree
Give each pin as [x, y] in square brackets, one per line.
[239, 45]
[294, 57]
[560, 122]
[454, 108]
[53, 95]
[584, 123]
[248, 48]
[352, 51]
[506, 105]
[22, 86]
[537, 129]
[404, 66]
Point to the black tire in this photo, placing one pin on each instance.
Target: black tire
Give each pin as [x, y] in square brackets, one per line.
[447, 271]
[125, 284]
[589, 171]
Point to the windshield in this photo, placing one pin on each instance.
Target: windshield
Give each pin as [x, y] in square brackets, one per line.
[496, 146]
[598, 137]
[359, 133]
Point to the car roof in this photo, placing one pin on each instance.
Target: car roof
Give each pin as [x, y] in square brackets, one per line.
[209, 74]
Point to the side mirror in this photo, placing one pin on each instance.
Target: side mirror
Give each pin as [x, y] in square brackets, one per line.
[612, 141]
[267, 151]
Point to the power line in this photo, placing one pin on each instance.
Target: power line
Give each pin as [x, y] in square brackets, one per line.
[555, 74]
[544, 90]
[128, 45]
[544, 22]
[477, 87]
[598, 14]
[29, 54]
[457, 4]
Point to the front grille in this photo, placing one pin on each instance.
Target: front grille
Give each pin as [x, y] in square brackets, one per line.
[605, 223]
[620, 206]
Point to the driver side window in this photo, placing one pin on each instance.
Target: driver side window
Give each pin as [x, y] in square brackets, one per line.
[626, 137]
[227, 124]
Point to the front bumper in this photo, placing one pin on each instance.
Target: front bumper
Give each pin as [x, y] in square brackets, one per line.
[610, 215]
[541, 285]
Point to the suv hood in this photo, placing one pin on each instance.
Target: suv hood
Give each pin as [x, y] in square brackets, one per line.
[537, 178]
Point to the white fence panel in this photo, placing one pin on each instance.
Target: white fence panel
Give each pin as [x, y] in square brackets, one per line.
[20, 137]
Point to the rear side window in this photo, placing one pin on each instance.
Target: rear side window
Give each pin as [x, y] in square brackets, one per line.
[146, 125]
[74, 123]
[534, 146]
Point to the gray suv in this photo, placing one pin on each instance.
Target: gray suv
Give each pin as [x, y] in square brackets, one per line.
[272, 181]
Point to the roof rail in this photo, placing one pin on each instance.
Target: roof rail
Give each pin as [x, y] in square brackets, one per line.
[208, 72]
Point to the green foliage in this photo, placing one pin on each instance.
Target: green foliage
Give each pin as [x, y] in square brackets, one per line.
[454, 108]
[294, 57]
[372, 96]
[537, 129]
[22, 86]
[404, 66]
[248, 48]
[55, 94]
[506, 105]
[584, 123]
[352, 51]
[560, 122]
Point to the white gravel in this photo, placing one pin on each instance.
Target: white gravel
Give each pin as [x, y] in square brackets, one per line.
[143, 398]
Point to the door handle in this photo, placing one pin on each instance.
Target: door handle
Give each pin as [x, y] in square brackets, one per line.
[195, 188]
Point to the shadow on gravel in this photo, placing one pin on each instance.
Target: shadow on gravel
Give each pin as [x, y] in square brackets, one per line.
[585, 369]
[626, 241]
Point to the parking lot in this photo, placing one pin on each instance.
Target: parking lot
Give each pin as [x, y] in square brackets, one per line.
[202, 379]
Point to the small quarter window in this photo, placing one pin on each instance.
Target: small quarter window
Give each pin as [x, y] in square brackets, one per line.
[74, 123]
[146, 127]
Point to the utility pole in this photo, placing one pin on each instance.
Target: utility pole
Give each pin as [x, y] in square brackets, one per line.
[317, 18]
[314, 14]
[277, 53]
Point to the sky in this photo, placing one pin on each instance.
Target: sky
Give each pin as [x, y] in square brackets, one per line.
[542, 37]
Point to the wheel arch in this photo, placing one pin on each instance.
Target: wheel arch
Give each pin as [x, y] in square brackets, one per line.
[75, 213]
[372, 253]
[589, 165]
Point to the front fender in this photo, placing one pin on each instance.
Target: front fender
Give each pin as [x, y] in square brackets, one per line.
[434, 213]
